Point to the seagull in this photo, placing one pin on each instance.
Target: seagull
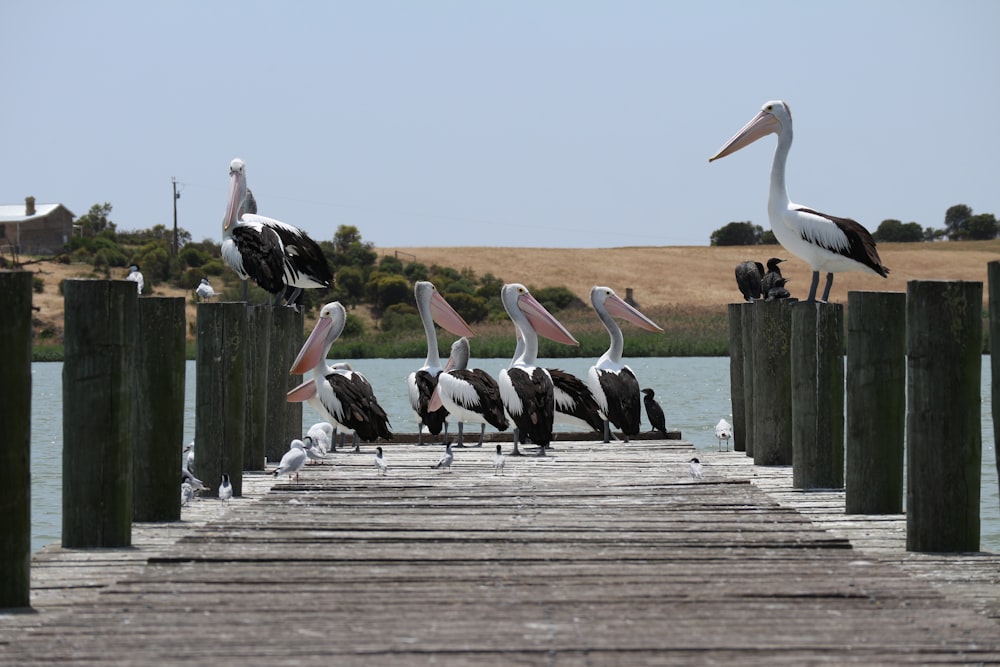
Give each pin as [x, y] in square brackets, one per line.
[187, 493]
[694, 467]
[189, 455]
[225, 489]
[499, 460]
[135, 275]
[322, 434]
[293, 460]
[723, 431]
[445, 461]
[380, 463]
[204, 290]
[825, 242]
[654, 412]
[313, 451]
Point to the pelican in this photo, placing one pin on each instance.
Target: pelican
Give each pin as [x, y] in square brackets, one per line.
[612, 382]
[723, 431]
[344, 396]
[274, 254]
[825, 242]
[468, 395]
[293, 460]
[526, 389]
[421, 383]
[657, 420]
[748, 278]
[204, 290]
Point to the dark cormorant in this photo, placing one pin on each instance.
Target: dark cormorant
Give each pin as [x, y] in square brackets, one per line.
[654, 412]
[748, 277]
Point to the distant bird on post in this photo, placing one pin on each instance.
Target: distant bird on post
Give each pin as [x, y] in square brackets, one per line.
[273, 254]
[135, 275]
[771, 276]
[778, 291]
[826, 242]
[205, 290]
[748, 278]
[654, 412]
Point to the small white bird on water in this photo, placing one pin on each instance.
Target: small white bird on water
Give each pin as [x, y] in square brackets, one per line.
[723, 431]
[225, 490]
[293, 460]
[380, 463]
[445, 461]
[694, 467]
[499, 460]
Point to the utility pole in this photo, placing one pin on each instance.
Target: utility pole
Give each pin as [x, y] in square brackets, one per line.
[177, 196]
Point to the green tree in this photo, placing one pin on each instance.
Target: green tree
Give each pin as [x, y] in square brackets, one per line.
[737, 233]
[956, 219]
[894, 231]
[981, 227]
[471, 308]
[96, 220]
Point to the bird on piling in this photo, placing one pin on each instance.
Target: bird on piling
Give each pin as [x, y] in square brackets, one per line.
[204, 290]
[292, 461]
[225, 490]
[446, 459]
[825, 242]
[748, 279]
[657, 421]
[499, 460]
[724, 432]
[694, 467]
[771, 276]
[778, 291]
[380, 463]
[135, 275]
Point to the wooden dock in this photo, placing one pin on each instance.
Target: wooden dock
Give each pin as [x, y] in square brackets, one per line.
[597, 554]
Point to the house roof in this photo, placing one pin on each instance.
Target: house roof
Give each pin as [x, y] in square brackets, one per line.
[15, 212]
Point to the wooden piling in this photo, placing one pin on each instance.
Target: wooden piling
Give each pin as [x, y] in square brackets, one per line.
[737, 397]
[276, 440]
[100, 317]
[993, 270]
[746, 324]
[158, 409]
[259, 335]
[944, 334]
[772, 383]
[221, 379]
[15, 436]
[876, 402]
[817, 377]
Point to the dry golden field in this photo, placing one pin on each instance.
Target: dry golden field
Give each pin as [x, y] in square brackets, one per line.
[702, 276]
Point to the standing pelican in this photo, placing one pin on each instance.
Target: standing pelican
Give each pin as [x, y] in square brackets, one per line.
[469, 395]
[825, 242]
[612, 382]
[526, 389]
[274, 254]
[346, 398]
[421, 383]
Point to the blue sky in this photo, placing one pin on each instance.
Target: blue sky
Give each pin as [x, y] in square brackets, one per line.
[568, 123]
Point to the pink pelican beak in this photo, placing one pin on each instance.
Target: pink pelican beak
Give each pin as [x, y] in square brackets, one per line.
[314, 348]
[544, 323]
[435, 402]
[237, 192]
[619, 308]
[302, 393]
[763, 124]
[448, 317]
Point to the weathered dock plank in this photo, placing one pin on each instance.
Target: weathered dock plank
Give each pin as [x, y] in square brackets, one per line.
[596, 554]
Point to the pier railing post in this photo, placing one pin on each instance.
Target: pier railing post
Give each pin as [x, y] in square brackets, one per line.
[876, 402]
[276, 440]
[259, 335]
[749, 420]
[158, 409]
[97, 389]
[993, 269]
[737, 397]
[221, 378]
[772, 383]
[817, 370]
[293, 411]
[15, 440]
[944, 336]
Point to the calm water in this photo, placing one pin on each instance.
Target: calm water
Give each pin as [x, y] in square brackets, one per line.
[694, 393]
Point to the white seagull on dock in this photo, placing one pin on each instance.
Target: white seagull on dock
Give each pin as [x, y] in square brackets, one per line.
[723, 431]
[380, 463]
[293, 460]
[694, 467]
[499, 460]
[187, 493]
[446, 459]
[225, 489]
[825, 242]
